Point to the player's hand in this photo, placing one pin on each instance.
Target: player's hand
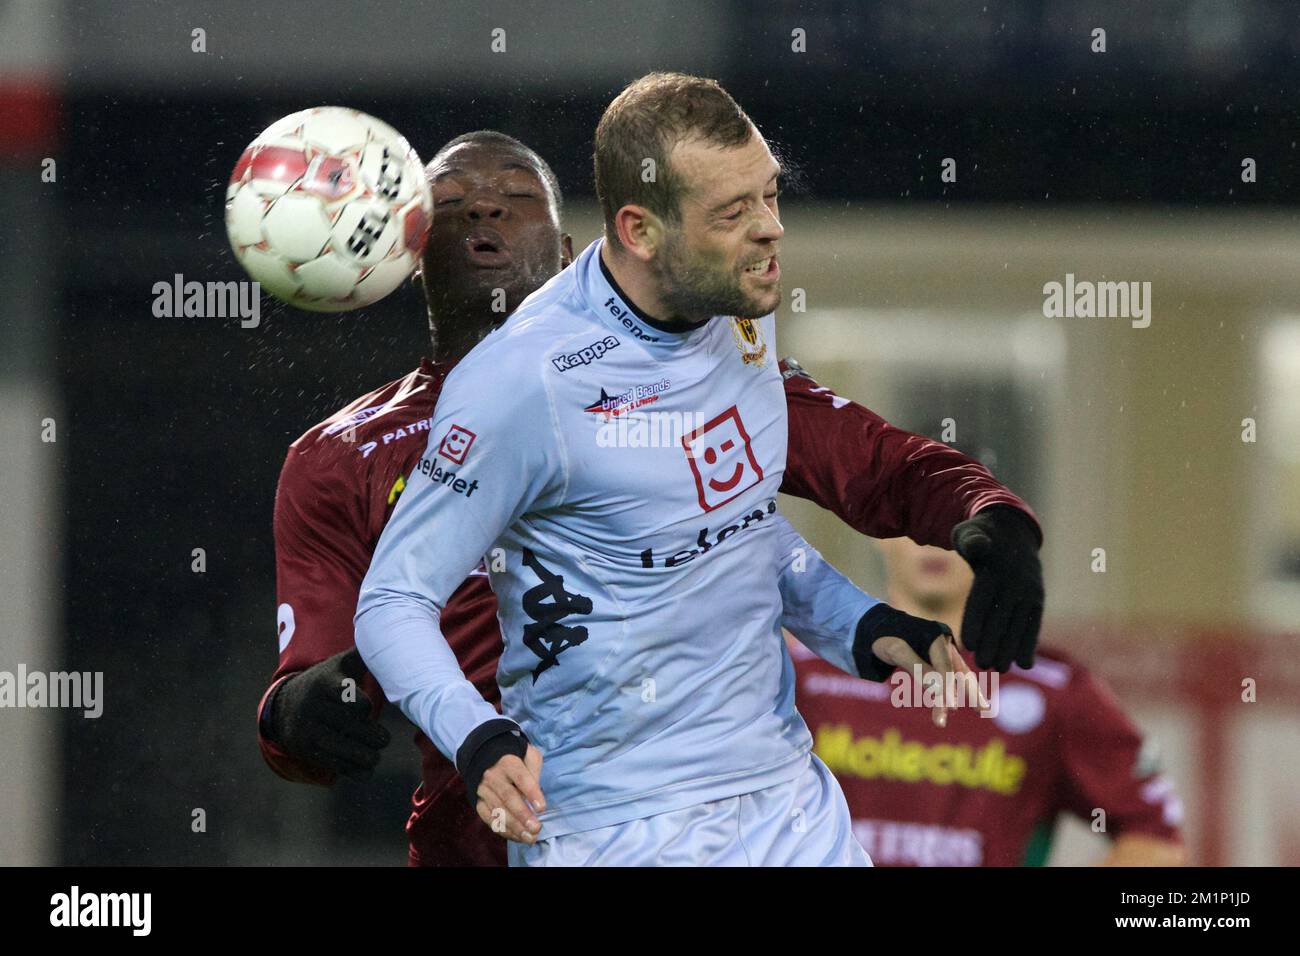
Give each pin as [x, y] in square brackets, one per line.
[313, 719]
[945, 662]
[510, 796]
[887, 638]
[1005, 606]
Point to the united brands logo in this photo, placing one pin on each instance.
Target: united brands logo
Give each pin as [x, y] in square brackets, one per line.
[633, 398]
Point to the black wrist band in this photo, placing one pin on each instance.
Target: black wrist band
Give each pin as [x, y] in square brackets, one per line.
[486, 744]
[872, 624]
[883, 620]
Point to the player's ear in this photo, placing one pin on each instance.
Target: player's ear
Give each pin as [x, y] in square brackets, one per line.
[566, 250]
[639, 230]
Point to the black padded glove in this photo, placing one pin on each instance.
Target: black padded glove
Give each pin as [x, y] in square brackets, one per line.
[307, 717]
[1005, 606]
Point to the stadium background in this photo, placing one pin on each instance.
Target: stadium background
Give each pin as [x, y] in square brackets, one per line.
[924, 301]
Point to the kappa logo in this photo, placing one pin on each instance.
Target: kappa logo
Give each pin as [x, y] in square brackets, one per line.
[549, 604]
[721, 459]
[586, 355]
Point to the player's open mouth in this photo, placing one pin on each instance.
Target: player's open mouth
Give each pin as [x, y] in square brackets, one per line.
[765, 270]
[485, 248]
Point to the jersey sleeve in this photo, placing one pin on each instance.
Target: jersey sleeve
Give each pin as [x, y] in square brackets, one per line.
[494, 453]
[1107, 765]
[880, 480]
[321, 555]
[820, 606]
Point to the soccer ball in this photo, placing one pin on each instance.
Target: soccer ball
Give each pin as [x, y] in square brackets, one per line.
[328, 209]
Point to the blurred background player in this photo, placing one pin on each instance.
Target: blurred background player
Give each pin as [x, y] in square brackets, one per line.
[497, 225]
[985, 790]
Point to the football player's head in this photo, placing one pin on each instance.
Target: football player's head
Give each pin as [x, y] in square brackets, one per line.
[495, 237]
[930, 579]
[688, 189]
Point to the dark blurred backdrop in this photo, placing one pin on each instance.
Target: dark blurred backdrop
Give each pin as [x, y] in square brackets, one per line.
[172, 431]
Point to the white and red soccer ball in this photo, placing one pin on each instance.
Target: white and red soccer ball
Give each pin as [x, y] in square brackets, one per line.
[329, 209]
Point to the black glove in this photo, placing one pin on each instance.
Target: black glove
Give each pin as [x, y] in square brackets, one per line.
[885, 621]
[1005, 606]
[308, 718]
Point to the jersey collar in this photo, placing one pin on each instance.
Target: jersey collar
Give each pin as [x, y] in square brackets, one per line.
[608, 301]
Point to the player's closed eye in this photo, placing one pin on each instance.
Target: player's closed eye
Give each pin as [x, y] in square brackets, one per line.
[732, 217]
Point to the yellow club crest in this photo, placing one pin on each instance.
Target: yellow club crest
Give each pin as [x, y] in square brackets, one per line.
[749, 339]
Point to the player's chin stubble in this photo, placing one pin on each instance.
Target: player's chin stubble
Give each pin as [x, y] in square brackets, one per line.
[697, 292]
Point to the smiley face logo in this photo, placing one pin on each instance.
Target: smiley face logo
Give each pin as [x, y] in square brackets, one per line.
[721, 460]
[455, 444]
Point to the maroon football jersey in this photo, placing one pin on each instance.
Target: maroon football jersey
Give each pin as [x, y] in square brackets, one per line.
[983, 791]
[342, 478]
